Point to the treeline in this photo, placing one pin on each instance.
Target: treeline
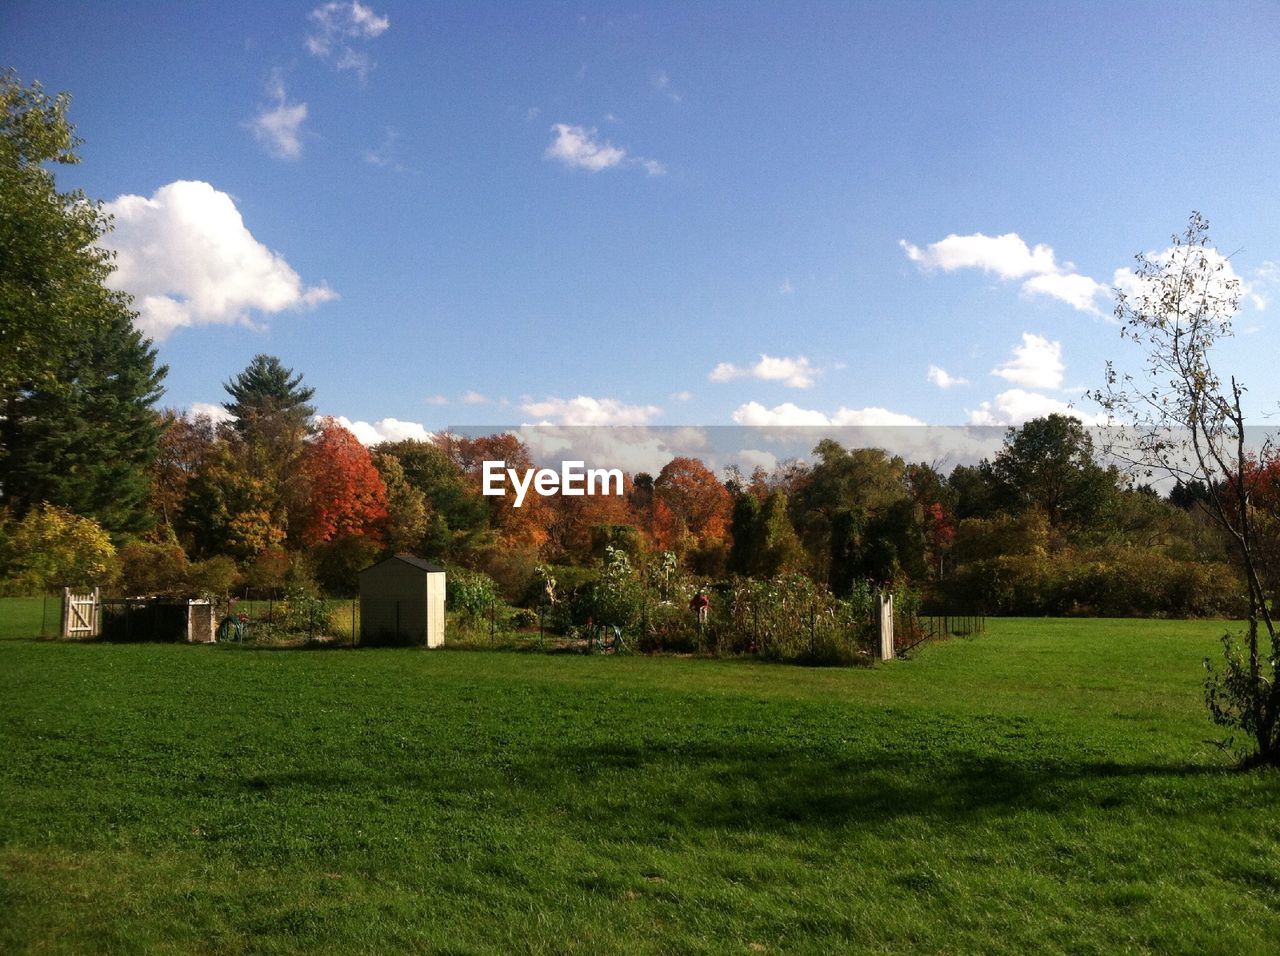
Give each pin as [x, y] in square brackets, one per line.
[275, 498]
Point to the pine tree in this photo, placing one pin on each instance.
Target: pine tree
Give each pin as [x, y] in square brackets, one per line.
[86, 441]
[266, 391]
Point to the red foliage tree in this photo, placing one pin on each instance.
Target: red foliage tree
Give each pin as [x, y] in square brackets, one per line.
[346, 496]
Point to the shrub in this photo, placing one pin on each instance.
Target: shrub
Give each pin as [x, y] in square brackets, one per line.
[52, 547]
[1114, 582]
[214, 577]
[149, 568]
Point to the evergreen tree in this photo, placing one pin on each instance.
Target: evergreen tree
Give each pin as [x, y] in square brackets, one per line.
[267, 392]
[86, 441]
[272, 423]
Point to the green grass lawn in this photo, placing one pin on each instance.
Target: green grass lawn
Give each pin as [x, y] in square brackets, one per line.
[30, 616]
[1048, 787]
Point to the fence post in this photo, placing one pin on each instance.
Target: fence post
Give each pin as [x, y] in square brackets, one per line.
[885, 602]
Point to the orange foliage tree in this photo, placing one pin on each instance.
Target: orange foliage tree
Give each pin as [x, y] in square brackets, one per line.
[346, 495]
[692, 499]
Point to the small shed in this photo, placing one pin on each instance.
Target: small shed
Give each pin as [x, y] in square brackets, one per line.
[402, 602]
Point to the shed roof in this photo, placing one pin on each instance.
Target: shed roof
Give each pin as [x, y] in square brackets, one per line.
[410, 560]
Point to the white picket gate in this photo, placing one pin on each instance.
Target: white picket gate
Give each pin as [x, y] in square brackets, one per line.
[81, 614]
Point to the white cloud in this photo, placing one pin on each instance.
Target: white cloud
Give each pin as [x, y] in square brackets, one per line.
[384, 156]
[474, 398]
[1223, 275]
[795, 372]
[436, 400]
[579, 148]
[278, 125]
[944, 379]
[334, 26]
[786, 288]
[1036, 363]
[585, 410]
[386, 429]
[188, 259]
[788, 414]
[681, 396]
[749, 459]
[1016, 407]
[1078, 291]
[1009, 257]
[209, 410]
[662, 83]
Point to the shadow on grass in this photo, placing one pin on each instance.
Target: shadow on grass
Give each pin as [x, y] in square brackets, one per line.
[762, 788]
[629, 791]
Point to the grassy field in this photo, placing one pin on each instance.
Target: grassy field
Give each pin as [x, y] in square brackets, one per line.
[1048, 787]
[30, 616]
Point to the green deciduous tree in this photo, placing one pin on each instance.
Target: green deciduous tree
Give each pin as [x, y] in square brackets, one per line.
[1049, 464]
[77, 381]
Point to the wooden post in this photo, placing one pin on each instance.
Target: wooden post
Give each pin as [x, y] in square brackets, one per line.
[885, 602]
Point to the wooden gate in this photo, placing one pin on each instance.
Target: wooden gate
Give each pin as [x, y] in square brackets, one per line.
[81, 614]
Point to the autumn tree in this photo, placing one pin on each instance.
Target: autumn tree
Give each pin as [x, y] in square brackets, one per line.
[696, 504]
[52, 547]
[346, 496]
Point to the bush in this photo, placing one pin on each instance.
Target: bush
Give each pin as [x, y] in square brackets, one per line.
[147, 568]
[213, 578]
[1115, 582]
[51, 547]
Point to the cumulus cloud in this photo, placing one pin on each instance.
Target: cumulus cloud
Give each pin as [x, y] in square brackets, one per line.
[795, 372]
[681, 396]
[1036, 363]
[749, 459]
[580, 148]
[188, 259]
[944, 379]
[584, 410]
[1017, 406]
[336, 26]
[211, 411]
[1009, 257]
[1223, 276]
[1078, 291]
[386, 429]
[788, 414]
[474, 398]
[278, 124]
[436, 400]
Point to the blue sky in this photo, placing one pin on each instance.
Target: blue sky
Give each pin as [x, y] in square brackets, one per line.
[665, 214]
